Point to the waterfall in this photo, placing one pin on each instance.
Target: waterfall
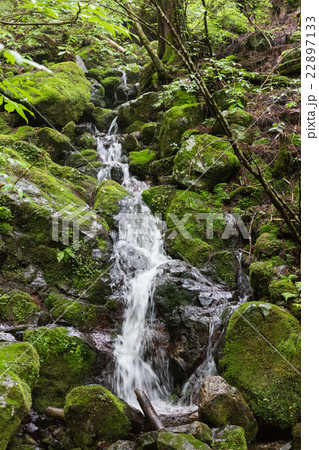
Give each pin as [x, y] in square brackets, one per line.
[137, 256]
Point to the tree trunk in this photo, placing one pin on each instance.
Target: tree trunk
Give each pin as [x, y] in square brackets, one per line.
[148, 410]
[176, 14]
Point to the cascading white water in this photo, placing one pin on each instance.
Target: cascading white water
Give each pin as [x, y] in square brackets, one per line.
[137, 255]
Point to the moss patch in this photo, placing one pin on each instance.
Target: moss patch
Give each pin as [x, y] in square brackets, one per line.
[107, 199]
[18, 307]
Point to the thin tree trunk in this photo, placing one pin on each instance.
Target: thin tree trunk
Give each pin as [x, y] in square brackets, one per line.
[206, 29]
[148, 410]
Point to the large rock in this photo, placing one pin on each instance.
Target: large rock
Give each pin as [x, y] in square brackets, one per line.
[65, 363]
[58, 144]
[199, 430]
[261, 273]
[107, 199]
[204, 161]
[141, 109]
[221, 404]
[165, 440]
[261, 358]
[230, 437]
[19, 369]
[235, 118]
[94, 414]
[61, 96]
[140, 161]
[174, 124]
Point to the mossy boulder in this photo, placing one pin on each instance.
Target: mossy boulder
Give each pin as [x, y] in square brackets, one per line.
[26, 133]
[130, 142]
[225, 268]
[174, 124]
[140, 161]
[76, 313]
[221, 404]
[196, 243]
[18, 307]
[278, 288]
[86, 140]
[234, 117]
[148, 132]
[110, 85]
[103, 118]
[94, 414]
[162, 166]
[65, 363]
[107, 198]
[57, 144]
[290, 62]
[142, 109]
[204, 161]
[261, 358]
[165, 440]
[198, 430]
[19, 370]
[60, 96]
[157, 198]
[135, 127]
[261, 274]
[267, 245]
[69, 130]
[230, 437]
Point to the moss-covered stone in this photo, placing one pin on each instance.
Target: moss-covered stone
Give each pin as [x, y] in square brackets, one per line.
[198, 430]
[5, 219]
[141, 109]
[86, 140]
[26, 133]
[258, 42]
[221, 404]
[69, 131]
[175, 122]
[267, 375]
[290, 62]
[261, 274]
[267, 245]
[158, 198]
[78, 314]
[204, 161]
[107, 199]
[102, 118]
[135, 126]
[225, 267]
[4, 124]
[57, 143]
[110, 85]
[233, 117]
[279, 287]
[94, 414]
[18, 307]
[148, 132]
[165, 440]
[61, 96]
[162, 166]
[130, 142]
[230, 437]
[65, 363]
[19, 370]
[140, 161]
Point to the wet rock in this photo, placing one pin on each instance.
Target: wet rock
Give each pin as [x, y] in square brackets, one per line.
[230, 437]
[221, 404]
[199, 430]
[122, 445]
[269, 383]
[103, 118]
[6, 337]
[169, 441]
[98, 94]
[94, 414]
[107, 199]
[140, 109]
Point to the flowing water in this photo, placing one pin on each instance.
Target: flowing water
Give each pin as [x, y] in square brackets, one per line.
[138, 259]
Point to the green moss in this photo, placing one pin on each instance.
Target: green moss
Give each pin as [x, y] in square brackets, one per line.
[102, 118]
[140, 161]
[267, 245]
[230, 437]
[175, 122]
[27, 150]
[65, 362]
[261, 274]
[75, 313]
[235, 116]
[163, 166]
[290, 63]
[22, 359]
[61, 96]
[56, 142]
[17, 307]
[25, 133]
[148, 132]
[86, 140]
[158, 198]
[135, 126]
[279, 287]
[5, 219]
[205, 161]
[225, 268]
[110, 85]
[94, 414]
[142, 109]
[194, 251]
[182, 441]
[107, 199]
[269, 380]
[69, 130]
[4, 125]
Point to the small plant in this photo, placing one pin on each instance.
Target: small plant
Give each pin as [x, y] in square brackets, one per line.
[65, 255]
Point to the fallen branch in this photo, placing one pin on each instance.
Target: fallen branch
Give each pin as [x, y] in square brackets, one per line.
[148, 409]
[55, 413]
[116, 46]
